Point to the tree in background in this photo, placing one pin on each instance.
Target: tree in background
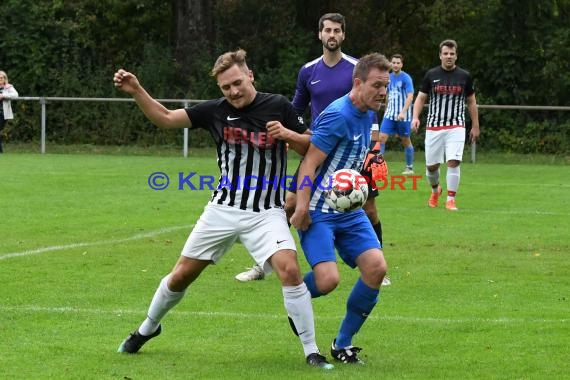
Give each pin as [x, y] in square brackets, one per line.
[518, 52]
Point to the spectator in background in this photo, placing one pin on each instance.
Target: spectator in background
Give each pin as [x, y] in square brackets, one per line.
[7, 93]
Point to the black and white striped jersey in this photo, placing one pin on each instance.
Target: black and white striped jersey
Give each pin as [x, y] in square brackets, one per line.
[447, 91]
[252, 164]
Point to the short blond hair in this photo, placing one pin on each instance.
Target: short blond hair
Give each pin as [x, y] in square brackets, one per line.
[229, 59]
[3, 74]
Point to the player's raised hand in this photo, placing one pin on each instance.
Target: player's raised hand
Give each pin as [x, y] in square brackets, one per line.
[125, 81]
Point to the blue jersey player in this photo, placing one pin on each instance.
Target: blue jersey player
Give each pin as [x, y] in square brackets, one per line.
[324, 80]
[398, 116]
[319, 83]
[340, 140]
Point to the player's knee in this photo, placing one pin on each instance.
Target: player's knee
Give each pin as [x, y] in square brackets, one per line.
[432, 168]
[179, 281]
[453, 163]
[327, 282]
[288, 272]
[185, 272]
[374, 271]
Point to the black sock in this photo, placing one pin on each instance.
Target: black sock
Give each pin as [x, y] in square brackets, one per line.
[378, 229]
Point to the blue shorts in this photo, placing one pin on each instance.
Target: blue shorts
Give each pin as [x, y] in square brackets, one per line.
[394, 127]
[350, 232]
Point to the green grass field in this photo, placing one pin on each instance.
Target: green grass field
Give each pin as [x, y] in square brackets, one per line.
[483, 293]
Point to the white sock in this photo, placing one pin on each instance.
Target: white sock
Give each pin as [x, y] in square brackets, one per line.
[300, 309]
[453, 176]
[164, 299]
[433, 179]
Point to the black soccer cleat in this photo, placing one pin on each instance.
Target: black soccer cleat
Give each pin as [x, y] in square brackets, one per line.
[317, 360]
[135, 341]
[347, 355]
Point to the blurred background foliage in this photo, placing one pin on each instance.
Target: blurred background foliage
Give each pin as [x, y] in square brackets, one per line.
[517, 51]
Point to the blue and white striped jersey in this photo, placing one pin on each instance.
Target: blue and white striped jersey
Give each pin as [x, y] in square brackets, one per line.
[341, 131]
[400, 86]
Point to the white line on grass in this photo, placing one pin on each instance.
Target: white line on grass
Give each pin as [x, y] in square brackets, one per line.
[39, 251]
[518, 184]
[483, 211]
[209, 314]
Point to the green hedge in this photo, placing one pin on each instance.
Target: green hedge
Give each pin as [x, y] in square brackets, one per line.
[514, 131]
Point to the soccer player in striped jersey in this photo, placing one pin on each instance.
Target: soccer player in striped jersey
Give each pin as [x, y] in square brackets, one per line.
[449, 88]
[319, 83]
[398, 115]
[341, 137]
[251, 130]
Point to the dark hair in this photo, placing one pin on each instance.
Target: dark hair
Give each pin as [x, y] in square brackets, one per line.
[369, 62]
[334, 17]
[229, 59]
[449, 43]
[399, 56]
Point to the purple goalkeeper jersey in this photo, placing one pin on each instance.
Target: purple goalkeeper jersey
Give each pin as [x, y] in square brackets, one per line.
[319, 85]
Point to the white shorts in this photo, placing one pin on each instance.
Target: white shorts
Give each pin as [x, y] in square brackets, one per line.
[219, 227]
[449, 142]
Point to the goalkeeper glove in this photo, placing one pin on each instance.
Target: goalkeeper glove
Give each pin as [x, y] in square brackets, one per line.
[376, 165]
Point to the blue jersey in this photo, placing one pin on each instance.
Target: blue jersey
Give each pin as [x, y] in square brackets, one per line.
[400, 86]
[341, 131]
[319, 85]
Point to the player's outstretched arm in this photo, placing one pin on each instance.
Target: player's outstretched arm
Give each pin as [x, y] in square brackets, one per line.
[154, 111]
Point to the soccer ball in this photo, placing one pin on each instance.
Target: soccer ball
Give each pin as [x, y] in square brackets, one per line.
[346, 190]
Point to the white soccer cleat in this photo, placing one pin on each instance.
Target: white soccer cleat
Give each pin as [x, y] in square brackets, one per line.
[252, 274]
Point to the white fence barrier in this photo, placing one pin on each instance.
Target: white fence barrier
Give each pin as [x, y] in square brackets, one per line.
[185, 102]
[44, 100]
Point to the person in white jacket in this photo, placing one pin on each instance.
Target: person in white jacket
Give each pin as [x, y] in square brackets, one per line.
[7, 93]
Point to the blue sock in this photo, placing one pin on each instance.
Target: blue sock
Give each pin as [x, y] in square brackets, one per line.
[409, 151]
[382, 147]
[312, 284]
[359, 305]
